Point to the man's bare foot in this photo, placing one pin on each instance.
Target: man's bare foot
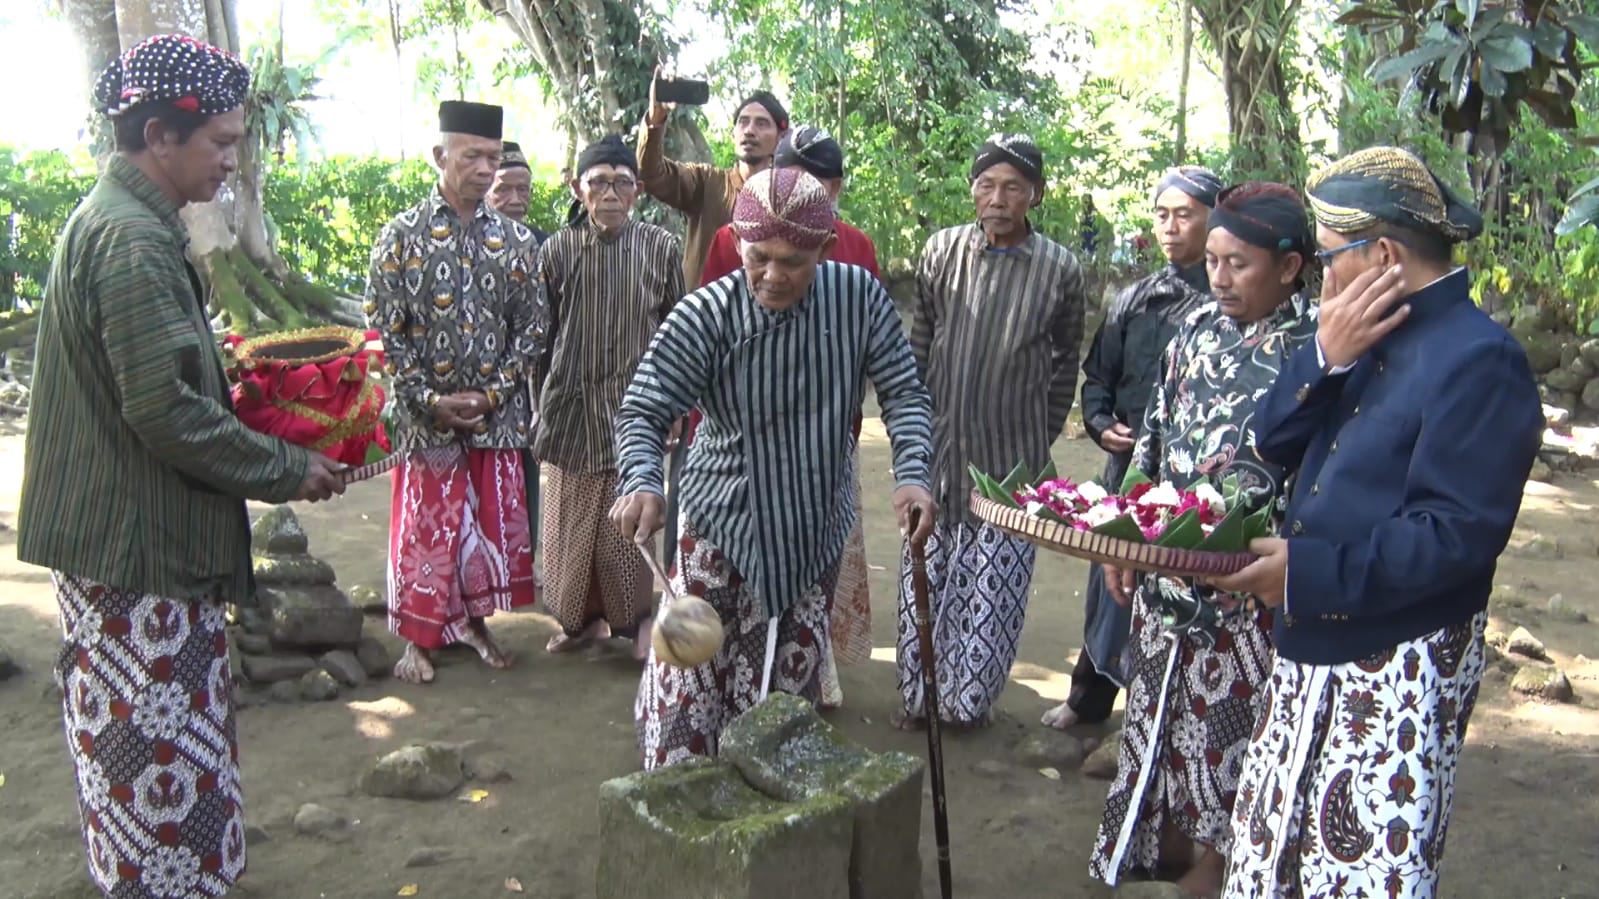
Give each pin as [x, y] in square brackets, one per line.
[414, 667]
[641, 640]
[907, 721]
[478, 637]
[1177, 853]
[1060, 717]
[1204, 879]
[596, 630]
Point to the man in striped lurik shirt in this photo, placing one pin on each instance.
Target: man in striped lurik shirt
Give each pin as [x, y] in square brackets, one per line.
[999, 321]
[777, 355]
[608, 282]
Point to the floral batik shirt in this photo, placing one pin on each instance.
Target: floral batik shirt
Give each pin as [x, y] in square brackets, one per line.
[459, 309]
[1199, 422]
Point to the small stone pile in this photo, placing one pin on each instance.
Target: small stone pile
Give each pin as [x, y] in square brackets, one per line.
[303, 641]
[789, 810]
[1566, 365]
[1533, 673]
[16, 382]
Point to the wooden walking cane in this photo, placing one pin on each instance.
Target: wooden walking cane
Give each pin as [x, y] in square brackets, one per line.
[935, 744]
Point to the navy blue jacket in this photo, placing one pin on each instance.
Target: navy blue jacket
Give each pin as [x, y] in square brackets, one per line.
[1409, 474]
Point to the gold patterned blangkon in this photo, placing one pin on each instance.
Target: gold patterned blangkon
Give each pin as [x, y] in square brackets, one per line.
[1413, 189]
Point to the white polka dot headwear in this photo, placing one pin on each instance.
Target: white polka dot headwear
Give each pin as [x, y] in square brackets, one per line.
[194, 76]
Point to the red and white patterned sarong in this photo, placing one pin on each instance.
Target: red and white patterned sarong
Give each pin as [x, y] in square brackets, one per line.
[680, 712]
[459, 542]
[850, 631]
[1350, 774]
[148, 703]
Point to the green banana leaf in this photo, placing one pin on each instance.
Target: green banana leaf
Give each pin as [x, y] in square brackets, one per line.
[1048, 474]
[1257, 525]
[1183, 532]
[1123, 528]
[1016, 480]
[1228, 536]
[1135, 476]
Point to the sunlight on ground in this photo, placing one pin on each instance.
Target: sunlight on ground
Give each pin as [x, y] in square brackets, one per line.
[1048, 683]
[372, 718]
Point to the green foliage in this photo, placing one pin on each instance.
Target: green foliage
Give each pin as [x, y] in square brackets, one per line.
[1477, 63]
[326, 214]
[38, 190]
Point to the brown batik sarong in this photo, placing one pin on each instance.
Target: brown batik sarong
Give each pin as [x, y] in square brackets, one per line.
[148, 704]
[590, 571]
[680, 712]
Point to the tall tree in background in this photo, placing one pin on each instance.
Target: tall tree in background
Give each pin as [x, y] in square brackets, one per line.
[1249, 37]
[250, 287]
[596, 58]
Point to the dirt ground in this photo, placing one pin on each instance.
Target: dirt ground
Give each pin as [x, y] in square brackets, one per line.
[1526, 815]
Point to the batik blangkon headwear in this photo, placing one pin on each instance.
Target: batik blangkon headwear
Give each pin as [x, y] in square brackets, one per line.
[476, 119]
[1389, 185]
[611, 150]
[1196, 181]
[512, 157]
[1265, 214]
[1019, 151]
[783, 203]
[813, 150]
[193, 76]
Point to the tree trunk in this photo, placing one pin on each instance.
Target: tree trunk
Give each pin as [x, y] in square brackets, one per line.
[1182, 82]
[249, 286]
[599, 59]
[1248, 36]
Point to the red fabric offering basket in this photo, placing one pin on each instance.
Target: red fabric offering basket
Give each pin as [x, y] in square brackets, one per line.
[312, 388]
[1105, 549]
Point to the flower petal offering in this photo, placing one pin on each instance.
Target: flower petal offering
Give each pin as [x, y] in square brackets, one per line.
[1201, 530]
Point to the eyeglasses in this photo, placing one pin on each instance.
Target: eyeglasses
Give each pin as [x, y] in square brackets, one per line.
[620, 185]
[1325, 256]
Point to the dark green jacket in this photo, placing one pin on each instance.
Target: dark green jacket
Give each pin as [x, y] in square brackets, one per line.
[136, 469]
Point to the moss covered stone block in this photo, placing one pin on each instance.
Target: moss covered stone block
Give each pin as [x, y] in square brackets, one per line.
[311, 618]
[278, 532]
[697, 830]
[786, 750]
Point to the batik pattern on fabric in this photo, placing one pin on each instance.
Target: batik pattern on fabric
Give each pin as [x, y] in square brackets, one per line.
[680, 712]
[1190, 710]
[1350, 774]
[459, 543]
[977, 578]
[851, 628]
[590, 570]
[148, 705]
[459, 307]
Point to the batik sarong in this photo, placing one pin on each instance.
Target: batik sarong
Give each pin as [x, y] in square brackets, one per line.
[680, 712]
[1351, 771]
[1190, 709]
[590, 571]
[977, 578]
[850, 630]
[459, 544]
[148, 703]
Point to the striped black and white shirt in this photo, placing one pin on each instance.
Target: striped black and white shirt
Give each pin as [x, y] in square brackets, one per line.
[767, 477]
[996, 335]
[606, 294]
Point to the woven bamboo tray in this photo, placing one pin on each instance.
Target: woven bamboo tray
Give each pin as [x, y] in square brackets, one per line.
[1107, 550]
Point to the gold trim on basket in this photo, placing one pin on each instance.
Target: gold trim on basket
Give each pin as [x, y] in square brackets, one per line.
[1106, 550]
[354, 340]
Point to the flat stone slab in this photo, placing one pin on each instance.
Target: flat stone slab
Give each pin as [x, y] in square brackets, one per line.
[273, 668]
[344, 666]
[696, 830]
[785, 750]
